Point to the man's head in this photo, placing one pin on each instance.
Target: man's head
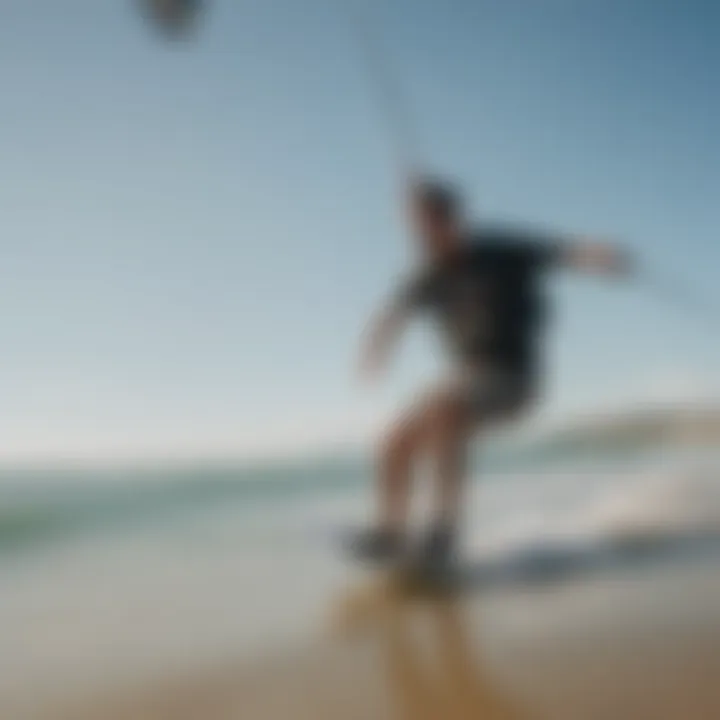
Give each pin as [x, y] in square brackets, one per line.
[436, 215]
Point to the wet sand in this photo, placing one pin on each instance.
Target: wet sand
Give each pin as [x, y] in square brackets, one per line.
[624, 646]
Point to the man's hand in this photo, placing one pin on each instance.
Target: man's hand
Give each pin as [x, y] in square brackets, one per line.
[371, 365]
[382, 334]
[592, 256]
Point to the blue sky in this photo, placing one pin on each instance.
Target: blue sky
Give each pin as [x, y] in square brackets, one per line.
[192, 237]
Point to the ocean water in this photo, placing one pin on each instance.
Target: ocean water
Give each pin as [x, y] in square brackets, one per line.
[126, 573]
[43, 509]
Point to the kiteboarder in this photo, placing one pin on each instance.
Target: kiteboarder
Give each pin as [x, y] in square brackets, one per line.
[484, 286]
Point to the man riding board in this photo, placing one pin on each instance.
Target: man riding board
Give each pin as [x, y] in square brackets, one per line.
[484, 287]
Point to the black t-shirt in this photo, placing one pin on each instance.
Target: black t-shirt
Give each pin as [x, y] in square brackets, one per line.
[488, 297]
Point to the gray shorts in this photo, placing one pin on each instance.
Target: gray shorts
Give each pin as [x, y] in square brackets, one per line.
[491, 394]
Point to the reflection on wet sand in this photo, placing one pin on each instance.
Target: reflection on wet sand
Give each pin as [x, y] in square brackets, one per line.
[638, 647]
[431, 667]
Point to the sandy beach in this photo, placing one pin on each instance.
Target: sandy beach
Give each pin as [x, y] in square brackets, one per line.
[629, 646]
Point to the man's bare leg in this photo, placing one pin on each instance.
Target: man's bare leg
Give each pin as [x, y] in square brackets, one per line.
[451, 477]
[453, 425]
[449, 435]
[399, 451]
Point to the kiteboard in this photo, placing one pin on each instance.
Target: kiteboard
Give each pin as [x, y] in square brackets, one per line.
[408, 573]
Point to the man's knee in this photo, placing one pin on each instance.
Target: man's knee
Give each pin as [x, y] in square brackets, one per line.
[400, 441]
[447, 416]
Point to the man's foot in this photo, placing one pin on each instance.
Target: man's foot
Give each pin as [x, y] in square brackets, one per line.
[438, 550]
[376, 545]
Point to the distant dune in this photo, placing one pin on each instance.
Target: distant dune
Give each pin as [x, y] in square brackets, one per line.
[635, 429]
